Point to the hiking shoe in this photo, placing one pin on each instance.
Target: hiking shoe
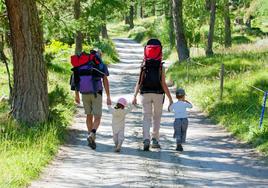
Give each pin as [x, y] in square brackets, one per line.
[155, 143]
[91, 140]
[117, 149]
[146, 145]
[179, 147]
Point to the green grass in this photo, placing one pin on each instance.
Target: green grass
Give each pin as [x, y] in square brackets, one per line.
[240, 109]
[117, 30]
[24, 150]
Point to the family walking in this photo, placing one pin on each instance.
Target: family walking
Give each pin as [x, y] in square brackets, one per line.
[90, 78]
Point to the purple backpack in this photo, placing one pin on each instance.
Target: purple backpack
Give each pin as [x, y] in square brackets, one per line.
[87, 76]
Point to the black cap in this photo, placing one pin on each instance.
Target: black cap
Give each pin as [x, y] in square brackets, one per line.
[180, 92]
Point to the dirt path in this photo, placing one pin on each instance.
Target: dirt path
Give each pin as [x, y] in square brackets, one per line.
[211, 157]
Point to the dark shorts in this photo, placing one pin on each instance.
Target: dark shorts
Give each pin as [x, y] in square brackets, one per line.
[180, 129]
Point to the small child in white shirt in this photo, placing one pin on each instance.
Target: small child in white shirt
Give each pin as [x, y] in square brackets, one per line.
[118, 121]
[181, 118]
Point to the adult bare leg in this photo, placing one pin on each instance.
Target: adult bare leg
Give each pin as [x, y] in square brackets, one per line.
[89, 122]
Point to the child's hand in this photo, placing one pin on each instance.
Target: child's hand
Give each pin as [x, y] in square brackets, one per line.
[169, 106]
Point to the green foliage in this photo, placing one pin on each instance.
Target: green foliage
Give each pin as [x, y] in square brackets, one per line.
[240, 108]
[152, 28]
[240, 40]
[3, 19]
[138, 33]
[108, 49]
[195, 16]
[25, 150]
[258, 8]
[57, 20]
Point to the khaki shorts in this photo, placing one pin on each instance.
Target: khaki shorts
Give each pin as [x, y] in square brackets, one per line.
[92, 104]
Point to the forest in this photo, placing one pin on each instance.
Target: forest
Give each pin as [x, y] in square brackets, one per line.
[38, 37]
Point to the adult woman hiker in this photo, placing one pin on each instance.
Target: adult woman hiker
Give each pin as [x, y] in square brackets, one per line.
[152, 87]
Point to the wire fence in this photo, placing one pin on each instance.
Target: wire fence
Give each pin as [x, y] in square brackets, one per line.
[222, 71]
[263, 104]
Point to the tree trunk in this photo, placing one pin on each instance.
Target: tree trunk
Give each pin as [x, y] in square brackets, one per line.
[131, 16]
[227, 23]
[171, 26]
[153, 9]
[181, 43]
[136, 9]
[30, 95]
[78, 36]
[209, 50]
[104, 32]
[141, 8]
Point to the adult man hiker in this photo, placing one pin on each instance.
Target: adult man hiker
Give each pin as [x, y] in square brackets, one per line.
[90, 76]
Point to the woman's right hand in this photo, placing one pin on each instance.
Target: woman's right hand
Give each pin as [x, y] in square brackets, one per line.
[134, 101]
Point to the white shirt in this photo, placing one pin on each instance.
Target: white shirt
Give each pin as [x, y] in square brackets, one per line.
[179, 109]
[118, 119]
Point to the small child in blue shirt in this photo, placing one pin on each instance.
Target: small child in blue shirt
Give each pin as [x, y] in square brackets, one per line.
[179, 109]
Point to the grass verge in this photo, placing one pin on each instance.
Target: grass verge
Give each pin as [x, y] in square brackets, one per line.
[239, 110]
[24, 150]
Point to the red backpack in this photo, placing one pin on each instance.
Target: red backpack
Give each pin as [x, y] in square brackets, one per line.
[150, 76]
[88, 69]
[83, 58]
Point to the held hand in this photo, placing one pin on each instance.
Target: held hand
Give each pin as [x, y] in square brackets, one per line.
[170, 103]
[134, 101]
[109, 102]
[169, 106]
[77, 99]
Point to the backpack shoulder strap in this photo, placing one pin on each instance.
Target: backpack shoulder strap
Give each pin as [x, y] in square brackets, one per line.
[141, 75]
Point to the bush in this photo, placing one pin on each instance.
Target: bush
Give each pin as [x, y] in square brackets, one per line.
[137, 33]
[240, 40]
[110, 55]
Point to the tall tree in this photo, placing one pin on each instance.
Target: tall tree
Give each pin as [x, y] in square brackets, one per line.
[171, 26]
[181, 43]
[78, 36]
[131, 15]
[30, 95]
[102, 10]
[209, 50]
[141, 8]
[153, 8]
[104, 31]
[227, 24]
